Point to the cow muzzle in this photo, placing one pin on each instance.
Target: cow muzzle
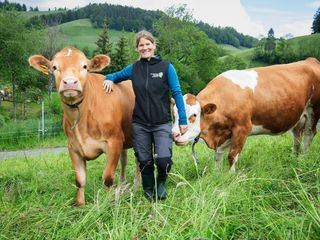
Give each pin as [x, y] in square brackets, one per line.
[70, 87]
[180, 140]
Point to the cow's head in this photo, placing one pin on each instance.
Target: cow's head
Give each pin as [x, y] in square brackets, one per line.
[70, 67]
[198, 116]
[193, 112]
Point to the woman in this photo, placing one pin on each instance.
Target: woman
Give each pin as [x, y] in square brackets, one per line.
[152, 78]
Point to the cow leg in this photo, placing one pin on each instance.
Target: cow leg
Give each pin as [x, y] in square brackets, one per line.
[311, 131]
[123, 161]
[219, 153]
[297, 137]
[137, 178]
[308, 129]
[239, 136]
[113, 155]
[79, 165]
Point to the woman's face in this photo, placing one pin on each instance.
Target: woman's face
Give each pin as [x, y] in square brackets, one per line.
[146, 48]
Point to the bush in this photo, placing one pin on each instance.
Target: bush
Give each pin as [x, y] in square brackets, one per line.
[53, 106]
[2, 121]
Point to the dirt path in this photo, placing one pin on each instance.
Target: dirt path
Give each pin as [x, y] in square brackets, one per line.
[31, 152]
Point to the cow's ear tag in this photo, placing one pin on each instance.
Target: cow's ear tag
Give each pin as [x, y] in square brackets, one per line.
[45, 69]
[209, 108]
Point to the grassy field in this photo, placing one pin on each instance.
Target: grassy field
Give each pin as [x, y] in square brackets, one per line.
[231, 49]
[80, 33]
[273, 195]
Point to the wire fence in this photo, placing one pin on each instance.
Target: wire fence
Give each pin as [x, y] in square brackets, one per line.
[32, 129]
[43, 124]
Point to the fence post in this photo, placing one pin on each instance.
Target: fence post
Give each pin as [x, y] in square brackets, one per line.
[42, 118]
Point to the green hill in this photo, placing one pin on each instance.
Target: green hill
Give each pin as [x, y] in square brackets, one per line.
[312, 40]
[80, 33]
[231, 49]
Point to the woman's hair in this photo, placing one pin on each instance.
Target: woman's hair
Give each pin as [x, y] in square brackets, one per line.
[144, 34]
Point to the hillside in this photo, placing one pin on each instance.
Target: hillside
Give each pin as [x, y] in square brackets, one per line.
[81, 33]
[303, 46]
[309, 40]
[134, 19]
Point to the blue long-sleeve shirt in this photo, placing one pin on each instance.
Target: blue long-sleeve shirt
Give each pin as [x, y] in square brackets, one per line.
[173, 83]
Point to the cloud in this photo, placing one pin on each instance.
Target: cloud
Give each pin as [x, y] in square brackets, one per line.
[314, 4]
[296, 28]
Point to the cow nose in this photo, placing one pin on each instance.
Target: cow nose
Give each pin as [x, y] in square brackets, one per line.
[70, 81]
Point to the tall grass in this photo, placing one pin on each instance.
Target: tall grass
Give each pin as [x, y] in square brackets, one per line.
[273, 195]
[25, 134]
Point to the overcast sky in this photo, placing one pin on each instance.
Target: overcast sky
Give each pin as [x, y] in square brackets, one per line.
[253, 17]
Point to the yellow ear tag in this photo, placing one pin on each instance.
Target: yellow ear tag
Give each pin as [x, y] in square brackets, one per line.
[45, 69]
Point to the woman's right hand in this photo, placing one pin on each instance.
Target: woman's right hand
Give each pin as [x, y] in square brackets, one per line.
[107, 85]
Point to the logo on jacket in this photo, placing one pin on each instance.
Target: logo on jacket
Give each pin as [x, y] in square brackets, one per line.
[157, 75]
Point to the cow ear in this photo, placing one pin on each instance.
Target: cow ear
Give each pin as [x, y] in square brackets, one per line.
[209, 108]
[40, 63]
[99, 62]
[173, 102]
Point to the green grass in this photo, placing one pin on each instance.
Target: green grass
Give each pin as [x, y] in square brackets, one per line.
[273, 195]
[246, 56]
[231, 49]
[80, 33]
[29, 14]
[32, 110]
[25, 135]
[295, 42]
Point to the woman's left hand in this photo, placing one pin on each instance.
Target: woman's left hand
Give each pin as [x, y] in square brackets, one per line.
[107, 85]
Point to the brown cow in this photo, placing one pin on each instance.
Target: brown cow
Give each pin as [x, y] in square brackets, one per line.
[94, 122]
[265, 100]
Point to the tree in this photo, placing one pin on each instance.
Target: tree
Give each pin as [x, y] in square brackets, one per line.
[270, 33]
[316, 22]
[190, 50]
[16, 44]
[104, 45]
[120, 57]
[270, 44]
[52, 45]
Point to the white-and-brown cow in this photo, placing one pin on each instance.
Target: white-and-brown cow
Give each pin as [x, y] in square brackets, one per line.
[265, 100]
[95, 122]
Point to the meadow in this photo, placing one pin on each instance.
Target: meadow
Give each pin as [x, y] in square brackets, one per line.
[81, 33]
[273, 195]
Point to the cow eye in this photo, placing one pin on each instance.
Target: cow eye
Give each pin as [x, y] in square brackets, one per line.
[85, 66]
[195, 115]
[54, 68]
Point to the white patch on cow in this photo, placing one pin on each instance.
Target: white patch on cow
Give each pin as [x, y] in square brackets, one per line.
[233, 167]
[83, 71]
[243, 78]
[68, 54]
[219, 152]
[193, 128]
[259, 129]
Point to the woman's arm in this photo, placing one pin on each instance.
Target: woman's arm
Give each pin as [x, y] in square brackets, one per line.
[175, 88]
[124, 74]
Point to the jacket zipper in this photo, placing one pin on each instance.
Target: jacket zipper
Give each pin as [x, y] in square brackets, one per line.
[147, 93]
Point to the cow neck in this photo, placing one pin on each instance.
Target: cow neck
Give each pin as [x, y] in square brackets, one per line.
[76, 106]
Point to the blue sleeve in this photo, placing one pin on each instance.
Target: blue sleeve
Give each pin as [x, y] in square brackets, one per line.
[121, 75]
[175, 89]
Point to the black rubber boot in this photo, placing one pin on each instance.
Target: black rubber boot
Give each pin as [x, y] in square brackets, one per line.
[161, 186]
[148, 186]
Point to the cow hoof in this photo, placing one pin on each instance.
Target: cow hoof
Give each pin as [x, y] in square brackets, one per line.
[79, 204]
[108, 182]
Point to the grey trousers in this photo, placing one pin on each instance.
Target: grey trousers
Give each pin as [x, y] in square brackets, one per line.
[153, 144]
